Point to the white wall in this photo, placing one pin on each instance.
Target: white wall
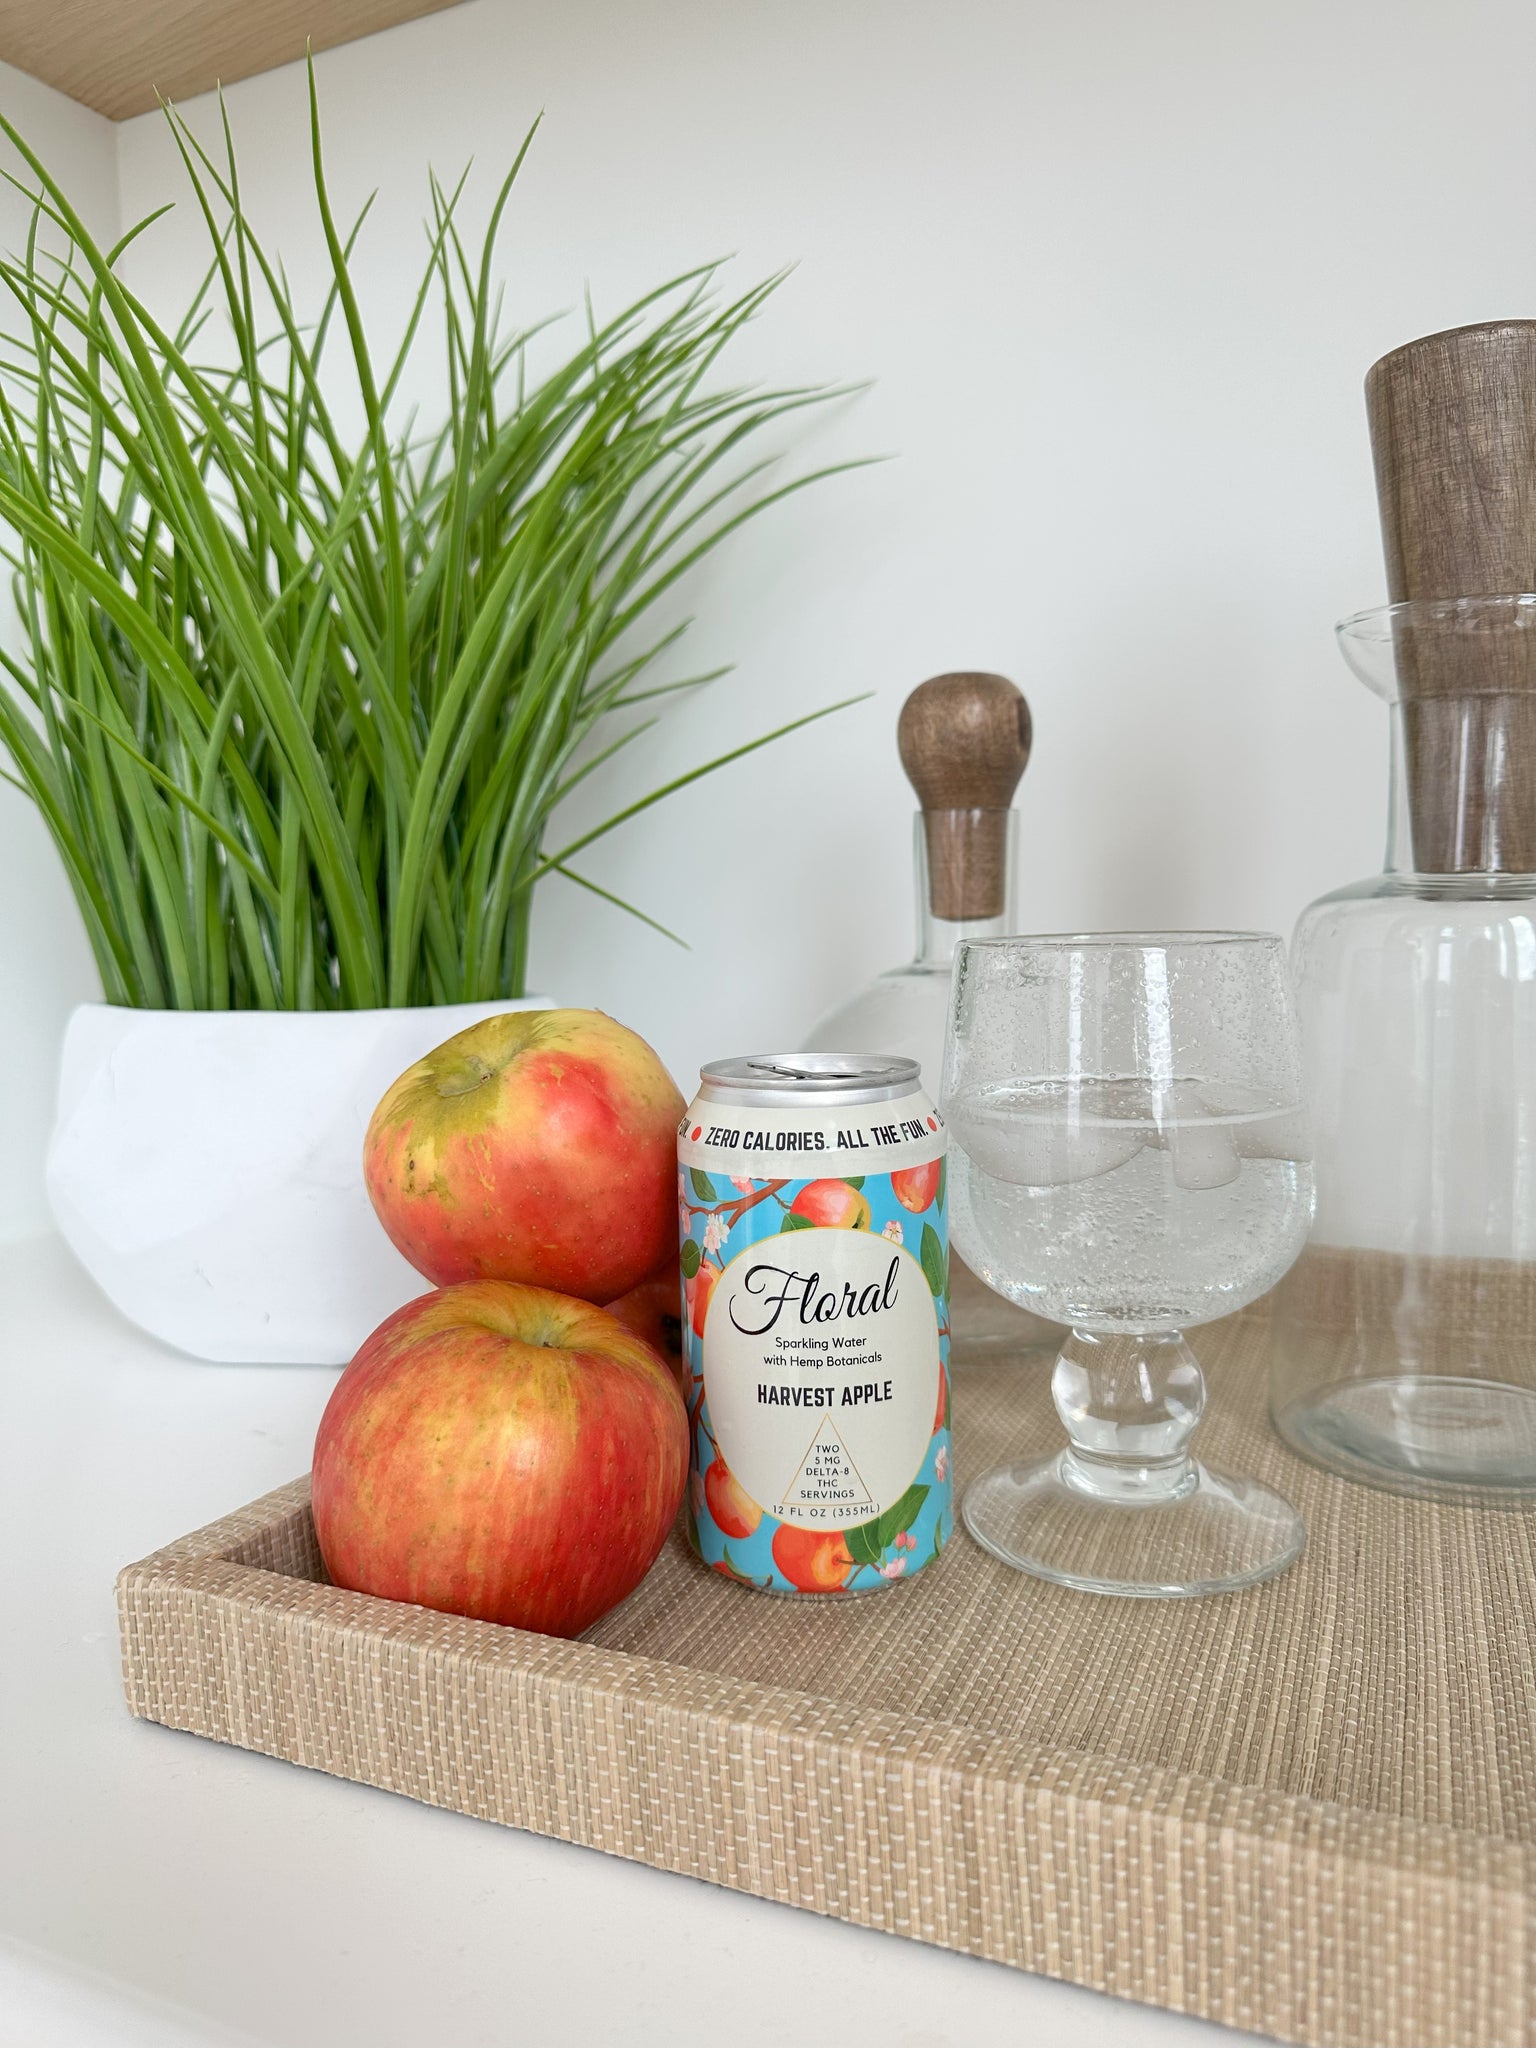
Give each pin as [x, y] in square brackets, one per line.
[1117, 271]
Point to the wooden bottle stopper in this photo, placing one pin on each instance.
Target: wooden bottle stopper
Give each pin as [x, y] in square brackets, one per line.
[964, 740]
[1453, 433]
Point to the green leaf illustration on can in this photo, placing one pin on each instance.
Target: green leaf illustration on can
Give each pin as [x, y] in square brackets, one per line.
[935, 1258]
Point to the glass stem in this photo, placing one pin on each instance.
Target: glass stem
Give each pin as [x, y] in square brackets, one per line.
[1130, 1404]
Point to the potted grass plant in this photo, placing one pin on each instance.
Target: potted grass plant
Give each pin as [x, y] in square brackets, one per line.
[299, 703]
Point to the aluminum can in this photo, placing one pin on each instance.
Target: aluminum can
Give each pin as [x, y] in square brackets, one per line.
[815, 1259]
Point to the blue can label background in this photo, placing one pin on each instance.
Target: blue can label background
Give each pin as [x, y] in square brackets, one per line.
[816, 1335]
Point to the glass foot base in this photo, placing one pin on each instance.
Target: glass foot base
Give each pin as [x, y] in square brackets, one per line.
[1428, 1434]
[1220, 1535]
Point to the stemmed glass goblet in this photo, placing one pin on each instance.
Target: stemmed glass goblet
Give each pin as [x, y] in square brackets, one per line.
[1129, 1156]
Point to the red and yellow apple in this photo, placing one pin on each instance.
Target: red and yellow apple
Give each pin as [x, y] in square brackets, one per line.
[500, 1452]
[538, 1146]
[832, 1205]
[653, 1310]
[813, 1560]
[736, 1513]
[915, 1186]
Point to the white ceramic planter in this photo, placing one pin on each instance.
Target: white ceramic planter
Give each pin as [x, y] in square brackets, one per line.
[206, 1170]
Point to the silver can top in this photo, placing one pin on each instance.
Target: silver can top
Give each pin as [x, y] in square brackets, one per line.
[767, 1079]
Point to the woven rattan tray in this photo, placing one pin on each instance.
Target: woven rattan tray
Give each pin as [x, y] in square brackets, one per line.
[1306, 1810]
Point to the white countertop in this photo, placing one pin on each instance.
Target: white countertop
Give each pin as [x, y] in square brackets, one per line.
[157, 1889]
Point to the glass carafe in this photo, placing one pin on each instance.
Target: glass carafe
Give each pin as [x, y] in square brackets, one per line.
[1405, 1336]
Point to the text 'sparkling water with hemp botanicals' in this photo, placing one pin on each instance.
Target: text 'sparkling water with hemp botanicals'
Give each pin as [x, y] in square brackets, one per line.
[815, 1251]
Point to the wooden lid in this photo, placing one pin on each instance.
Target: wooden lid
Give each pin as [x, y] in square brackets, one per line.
[964, 739]
[1453, 433]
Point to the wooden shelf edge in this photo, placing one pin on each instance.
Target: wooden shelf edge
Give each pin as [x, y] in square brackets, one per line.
[116, 59]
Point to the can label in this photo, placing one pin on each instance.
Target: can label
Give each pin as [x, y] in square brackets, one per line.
[816, 1333]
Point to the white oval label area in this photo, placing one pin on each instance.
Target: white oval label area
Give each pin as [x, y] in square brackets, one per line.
[821, 1373]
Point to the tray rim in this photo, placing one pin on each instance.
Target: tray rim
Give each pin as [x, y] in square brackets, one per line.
[205, 1562]
[1302, 1919]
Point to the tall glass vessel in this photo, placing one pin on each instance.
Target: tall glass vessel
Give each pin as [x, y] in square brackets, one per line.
[1405, 1336]
[964, 740]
